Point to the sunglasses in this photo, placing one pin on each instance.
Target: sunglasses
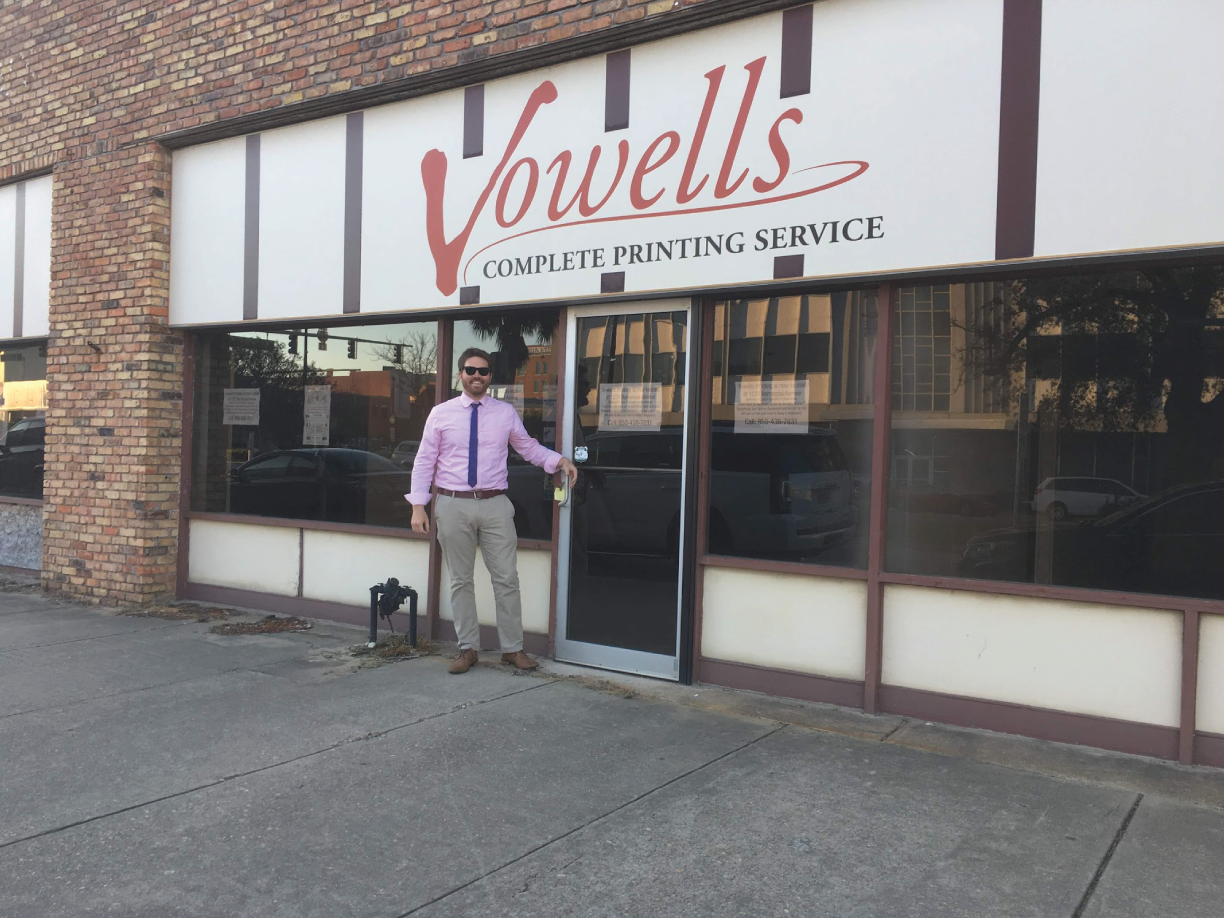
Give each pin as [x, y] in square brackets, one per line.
[477, 371]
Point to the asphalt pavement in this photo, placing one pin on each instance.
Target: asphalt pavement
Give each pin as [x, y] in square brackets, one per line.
[150, 767]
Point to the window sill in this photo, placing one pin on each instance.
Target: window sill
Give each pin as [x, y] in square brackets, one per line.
[22, 501]
[784, 567]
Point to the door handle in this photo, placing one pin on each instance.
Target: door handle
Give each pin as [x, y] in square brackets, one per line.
[562, 494]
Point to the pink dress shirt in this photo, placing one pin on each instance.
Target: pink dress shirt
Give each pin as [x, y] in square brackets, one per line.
[442, 458]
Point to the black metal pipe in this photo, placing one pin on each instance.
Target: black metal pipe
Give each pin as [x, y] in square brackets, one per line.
[374, 591]
[412, 616]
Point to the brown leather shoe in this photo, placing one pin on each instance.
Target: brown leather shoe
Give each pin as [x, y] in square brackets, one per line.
[465, 661]
[519, 660]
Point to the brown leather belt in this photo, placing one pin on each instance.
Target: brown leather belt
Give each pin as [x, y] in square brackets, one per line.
[472, 495]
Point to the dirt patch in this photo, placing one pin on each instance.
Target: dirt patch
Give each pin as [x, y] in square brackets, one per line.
[395, 647]
[183, 612]
[272, 624]
[20, 585]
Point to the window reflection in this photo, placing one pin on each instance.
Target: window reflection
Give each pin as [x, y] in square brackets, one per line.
[312, 423]
[23, 425]
[1082, 438]
[524, 374]
[791, 439]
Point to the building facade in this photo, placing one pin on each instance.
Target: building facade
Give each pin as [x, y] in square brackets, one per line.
[886, 335]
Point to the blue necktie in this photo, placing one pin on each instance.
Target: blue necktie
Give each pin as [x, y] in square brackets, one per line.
[473, 439]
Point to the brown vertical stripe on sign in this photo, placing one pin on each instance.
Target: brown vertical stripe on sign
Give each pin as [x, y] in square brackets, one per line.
[473, 121]
[616, 92]
[797, 51]
[19, 262]
[1019, 97]
[353, 147]
[469, 296]
[250, 249]
[612, 282]
[788, 266]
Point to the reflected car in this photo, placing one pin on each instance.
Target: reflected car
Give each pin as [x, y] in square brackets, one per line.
[21, 458]
[917, 498]
[332, 484]
[1168, 543]
[1064, 496]
[405, 452]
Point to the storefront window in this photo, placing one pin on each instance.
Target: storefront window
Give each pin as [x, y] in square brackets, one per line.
[790, 453]
[524, 374]
[1064, 431]
[312, 423]
[23, 425]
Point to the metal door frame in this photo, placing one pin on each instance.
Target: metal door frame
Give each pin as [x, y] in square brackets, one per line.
[601, 655]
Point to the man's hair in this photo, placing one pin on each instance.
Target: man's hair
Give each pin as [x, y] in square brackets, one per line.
[474, 352]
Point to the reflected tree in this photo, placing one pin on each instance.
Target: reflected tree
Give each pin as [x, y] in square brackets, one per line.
[512, 332]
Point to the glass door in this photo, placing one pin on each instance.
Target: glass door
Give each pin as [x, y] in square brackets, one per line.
[622, 529]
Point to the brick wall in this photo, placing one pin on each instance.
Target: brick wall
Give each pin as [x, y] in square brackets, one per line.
[84, 86]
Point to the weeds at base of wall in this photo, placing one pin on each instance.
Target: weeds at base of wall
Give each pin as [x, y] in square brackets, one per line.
[269, 624]
[181, 612]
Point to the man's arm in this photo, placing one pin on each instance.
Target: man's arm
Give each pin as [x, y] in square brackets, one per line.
[531, 449]
[423, 467]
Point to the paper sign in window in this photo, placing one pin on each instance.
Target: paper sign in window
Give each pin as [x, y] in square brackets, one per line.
[316, 416]
[240, 407]
[771, 406]
[630, 407]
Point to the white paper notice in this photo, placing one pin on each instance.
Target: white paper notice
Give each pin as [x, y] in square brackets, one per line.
[771, 406]
[630, 406]
[316, 416]
[241, 407]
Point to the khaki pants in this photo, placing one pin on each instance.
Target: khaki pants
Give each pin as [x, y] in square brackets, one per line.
[462, 525]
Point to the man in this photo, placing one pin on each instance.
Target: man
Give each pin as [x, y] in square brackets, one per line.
[463, 454]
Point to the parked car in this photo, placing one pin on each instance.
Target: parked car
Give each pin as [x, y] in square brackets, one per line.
[1170, 542]
[923, 498]
[1062, 497]
[405, 452]
[338, 485]
[21, 458]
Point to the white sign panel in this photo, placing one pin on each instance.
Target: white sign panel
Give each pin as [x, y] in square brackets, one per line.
[240, 407]
[316, 416]
[771, 406]
[630, 407]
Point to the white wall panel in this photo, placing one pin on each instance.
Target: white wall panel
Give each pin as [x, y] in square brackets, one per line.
[1109, 661]
[8, 251]
[35, 318]
[246, 557]
[207, 226]
[341, 567]
[535, 587]
[301, 220]
[1209, 715]
[1131, 125]
[785, 621]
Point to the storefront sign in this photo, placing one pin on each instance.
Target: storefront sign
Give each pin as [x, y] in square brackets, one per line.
[241, 407]
[316, 416]
[771, 406]
[630, 407]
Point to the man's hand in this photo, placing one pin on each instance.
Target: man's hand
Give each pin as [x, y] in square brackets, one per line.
[420, 519]
[570, 470]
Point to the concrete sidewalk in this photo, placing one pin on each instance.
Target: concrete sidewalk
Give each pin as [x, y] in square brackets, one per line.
[151, 768]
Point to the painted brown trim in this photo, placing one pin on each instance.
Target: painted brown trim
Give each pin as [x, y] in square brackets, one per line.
[808, 687]
[1069, 594]
[16, 179]
[20, 571]
[796, 52]
[561, 363]
[785, 266]
[250, 246]
[616, 91]
[309, 525]
[186, 457]
[705, 375]
[1209, 749]
[301, 575]
[354, 142]
[534, 544]
[534, 643]
[1189, 686]
[281, 605]
[446, 341]
[473, 121]
[19, 231]
[612, 282]
[1039, 723]
[784, 567]
[23, 501]
[1019, 102]
[881, 423]
[680, 21]
[469, 296]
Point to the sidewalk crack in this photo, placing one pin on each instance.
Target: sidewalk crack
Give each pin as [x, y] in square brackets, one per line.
[1109, 853]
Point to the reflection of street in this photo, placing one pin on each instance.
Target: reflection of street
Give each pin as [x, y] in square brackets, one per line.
[930, 542]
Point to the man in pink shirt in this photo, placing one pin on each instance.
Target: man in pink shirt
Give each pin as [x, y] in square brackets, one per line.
[463, 455]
